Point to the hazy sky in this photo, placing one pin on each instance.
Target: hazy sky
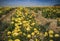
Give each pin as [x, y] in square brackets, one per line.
[28, 2]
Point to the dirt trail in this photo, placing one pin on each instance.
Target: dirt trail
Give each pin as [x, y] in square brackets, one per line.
[8, 16]
[42, 21]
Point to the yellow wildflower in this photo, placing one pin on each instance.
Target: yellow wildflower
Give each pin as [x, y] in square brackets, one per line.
[17, 40]
[51, 31]
[37, 40]
[18, 27]
[54, 10]
[32, 33]
[15, 34]
[50, 40]
[9, 32]
[38, 32]
[33, 24]
[19, 19]
[12, 22]
[15, 30]
[10, 40]
[24, 21]
[16, 24]
[46, 34]
[56, 35]
[16, 20]
[28, 29]
[30, 17]
[13, 18]
[20, 32]
[50, 35]
[29, 20]
[28, 36]
[26, 13]
[21, 8]
[35, 29]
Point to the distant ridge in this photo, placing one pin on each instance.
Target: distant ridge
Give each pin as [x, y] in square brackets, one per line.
[57, 5]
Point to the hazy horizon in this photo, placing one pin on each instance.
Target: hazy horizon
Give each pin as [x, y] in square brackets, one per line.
[15, 3]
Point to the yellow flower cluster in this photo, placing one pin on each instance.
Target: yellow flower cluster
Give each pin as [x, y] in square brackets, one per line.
[24, 26]
[14, 40]
[20, 21]
[51, 32]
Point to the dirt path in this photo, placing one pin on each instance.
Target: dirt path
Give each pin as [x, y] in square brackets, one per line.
[8, 16]
[43, 21]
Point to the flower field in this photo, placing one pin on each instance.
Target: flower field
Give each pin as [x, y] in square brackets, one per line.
[30, 24]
